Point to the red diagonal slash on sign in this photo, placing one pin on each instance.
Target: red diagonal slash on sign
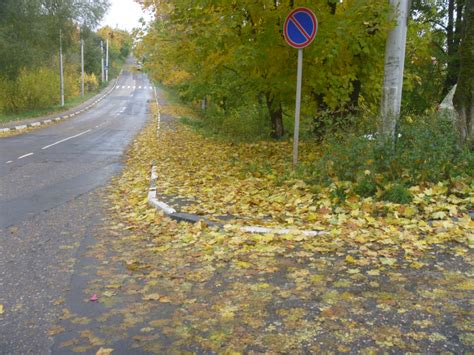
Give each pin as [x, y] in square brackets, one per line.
[302, 30]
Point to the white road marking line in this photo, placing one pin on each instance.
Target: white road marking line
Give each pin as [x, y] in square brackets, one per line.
[66, 139]
[10, 161]
[134, 87]
[24, 156]
[128, 87]
[139, 87]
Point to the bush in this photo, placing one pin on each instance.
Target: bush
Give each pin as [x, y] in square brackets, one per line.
[366, 186]
[397, 193]
[426, 151]
[244, 124]
[91, 83]
[72, 81]
[4, 94]
[36, 88]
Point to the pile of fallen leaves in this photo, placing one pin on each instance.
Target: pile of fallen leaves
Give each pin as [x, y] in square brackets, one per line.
[249, 183]
[385, 277]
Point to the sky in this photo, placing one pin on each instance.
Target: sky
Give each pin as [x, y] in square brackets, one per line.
[123, 14]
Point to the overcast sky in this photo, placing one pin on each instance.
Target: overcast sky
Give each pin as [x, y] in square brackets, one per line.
[124, 14]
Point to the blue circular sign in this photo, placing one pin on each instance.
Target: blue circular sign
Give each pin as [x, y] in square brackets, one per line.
[301, 27]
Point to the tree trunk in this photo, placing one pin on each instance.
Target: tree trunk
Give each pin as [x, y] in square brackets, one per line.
[453, 38]
[276, 116]
[353, 104]
[464, 97]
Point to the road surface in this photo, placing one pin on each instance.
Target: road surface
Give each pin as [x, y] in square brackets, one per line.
[49, 205]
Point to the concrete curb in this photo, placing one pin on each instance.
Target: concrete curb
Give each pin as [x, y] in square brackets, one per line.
[60, 118]
[193, 218]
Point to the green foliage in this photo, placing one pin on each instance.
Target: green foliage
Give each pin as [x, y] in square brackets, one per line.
[245, 124]
[366, 186]
[33, 89]
[234, 54]
[397, 193]
[29, 30]
[426, 151]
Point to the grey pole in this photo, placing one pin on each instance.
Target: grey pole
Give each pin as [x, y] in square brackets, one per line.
[61, 75]
[299, 77]
[82, 67]
[107, 60]
[102, 60]
[394, 66]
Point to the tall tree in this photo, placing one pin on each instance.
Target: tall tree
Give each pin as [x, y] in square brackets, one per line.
[223, 47]
[464, 95]
[29, 29]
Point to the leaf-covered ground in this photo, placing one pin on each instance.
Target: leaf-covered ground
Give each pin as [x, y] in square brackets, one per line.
[385, 277]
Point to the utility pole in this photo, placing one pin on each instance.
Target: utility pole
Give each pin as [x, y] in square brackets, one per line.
[102, 60]
[82, 67]
[107, 60]
[61, 75]
[394, 66]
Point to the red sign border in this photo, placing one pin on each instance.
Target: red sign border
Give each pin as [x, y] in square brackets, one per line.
[285, 30]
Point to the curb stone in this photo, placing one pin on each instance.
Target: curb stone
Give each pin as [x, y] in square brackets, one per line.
[59, 118]
[193, 218]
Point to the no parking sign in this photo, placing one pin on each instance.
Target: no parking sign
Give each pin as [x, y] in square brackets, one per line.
[301, 27]
[300, 30]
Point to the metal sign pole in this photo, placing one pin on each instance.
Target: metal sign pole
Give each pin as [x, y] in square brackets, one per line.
[300, 30]
[298, 107]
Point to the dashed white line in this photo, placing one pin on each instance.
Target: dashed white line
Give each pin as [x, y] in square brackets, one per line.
[9, 162]
[66, 139]
[24, 156]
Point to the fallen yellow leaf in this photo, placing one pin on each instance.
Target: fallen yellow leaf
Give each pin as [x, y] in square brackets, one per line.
[104, 351]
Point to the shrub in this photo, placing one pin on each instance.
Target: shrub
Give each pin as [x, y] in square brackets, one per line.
[366, 186]
[244, 124]
[426, 151]
[397, 193]
[36, 88]
[72, 81]
[91, 83]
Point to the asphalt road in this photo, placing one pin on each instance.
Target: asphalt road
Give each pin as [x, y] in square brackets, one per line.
[49, 205]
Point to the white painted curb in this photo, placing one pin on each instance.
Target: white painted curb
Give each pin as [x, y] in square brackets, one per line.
[152, 200]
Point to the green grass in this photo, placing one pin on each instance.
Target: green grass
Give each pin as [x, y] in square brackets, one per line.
[68, 104]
